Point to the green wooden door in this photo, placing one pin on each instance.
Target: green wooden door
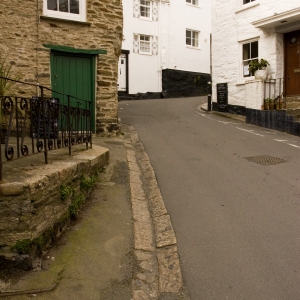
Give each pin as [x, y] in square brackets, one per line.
[74, 74]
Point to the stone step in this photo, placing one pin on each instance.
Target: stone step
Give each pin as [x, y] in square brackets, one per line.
[292, 105]
[122, 96]
[293, 99]
[293, 112]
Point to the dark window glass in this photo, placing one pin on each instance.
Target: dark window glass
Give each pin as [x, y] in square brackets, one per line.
[254, 50]
[246, 51]
[74, 6]
[52, 4]
[188, 37]
[63, 5]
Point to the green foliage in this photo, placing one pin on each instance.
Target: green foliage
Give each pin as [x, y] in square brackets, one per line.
[22, 247]
[65, 191]
[76, 204]
[7, 86]
[197, 79]
[86, 183]
[257, 64]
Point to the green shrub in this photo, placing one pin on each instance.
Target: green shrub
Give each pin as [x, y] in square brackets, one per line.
[65, 191]
[22, 247]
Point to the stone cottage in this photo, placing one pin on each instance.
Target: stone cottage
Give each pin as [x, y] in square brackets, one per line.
[70, 46]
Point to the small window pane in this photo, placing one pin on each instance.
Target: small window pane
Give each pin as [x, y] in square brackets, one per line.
[254, 49]
[74, 6]
[64, 5]
[52, 4]
[246, 51]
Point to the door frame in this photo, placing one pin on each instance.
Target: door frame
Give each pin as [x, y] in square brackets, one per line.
[93, 59]
[285, 41]
[126, 52]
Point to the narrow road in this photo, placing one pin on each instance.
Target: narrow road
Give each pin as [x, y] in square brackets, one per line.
[237, 222]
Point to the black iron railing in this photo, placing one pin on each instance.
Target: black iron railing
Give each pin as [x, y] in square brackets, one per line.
[273, 91]
[31, 125]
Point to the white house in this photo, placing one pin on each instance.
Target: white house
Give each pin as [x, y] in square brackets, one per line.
[166, 47]
[244, 30]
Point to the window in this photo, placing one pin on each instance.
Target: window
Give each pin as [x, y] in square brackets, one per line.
[191, 38]
[145, 44]
[145, 9]
[247, 1]
[66, 9]
[193, 2]
[250, 52]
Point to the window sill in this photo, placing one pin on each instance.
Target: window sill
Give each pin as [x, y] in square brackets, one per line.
[145, 53]
[245, 80]
[197, 6]
[247, 6]
[65, 20]
[145, 19]
[195, 48]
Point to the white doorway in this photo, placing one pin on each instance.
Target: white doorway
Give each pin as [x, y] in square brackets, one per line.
[122, 75]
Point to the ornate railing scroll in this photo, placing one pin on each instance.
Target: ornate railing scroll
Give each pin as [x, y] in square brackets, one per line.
[31, 125]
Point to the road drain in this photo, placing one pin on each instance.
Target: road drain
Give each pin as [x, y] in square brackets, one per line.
[265, 160]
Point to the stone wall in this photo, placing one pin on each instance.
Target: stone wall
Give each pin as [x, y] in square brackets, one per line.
[24, 31]
[176, 83]
[36, 210]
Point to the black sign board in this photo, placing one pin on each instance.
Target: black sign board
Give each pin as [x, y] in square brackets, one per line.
[222, 96]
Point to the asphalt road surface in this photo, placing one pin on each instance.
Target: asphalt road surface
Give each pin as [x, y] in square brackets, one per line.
[237, 222]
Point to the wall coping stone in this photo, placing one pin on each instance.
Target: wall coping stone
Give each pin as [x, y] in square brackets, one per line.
[38, 176]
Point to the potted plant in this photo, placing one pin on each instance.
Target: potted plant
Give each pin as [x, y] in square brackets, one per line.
[6, 89]
[266, 103]
[258, 68]
[271, 104]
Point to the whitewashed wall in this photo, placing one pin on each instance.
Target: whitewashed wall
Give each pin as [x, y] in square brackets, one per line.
[173, 19]
[231, 24]
[181, 17]
[143, 69]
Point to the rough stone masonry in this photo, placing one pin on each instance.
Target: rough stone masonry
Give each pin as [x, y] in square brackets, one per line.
[25, 30]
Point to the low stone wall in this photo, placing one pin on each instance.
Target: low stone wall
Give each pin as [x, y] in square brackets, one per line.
[273, 119]
[37, 208]
[177, 83]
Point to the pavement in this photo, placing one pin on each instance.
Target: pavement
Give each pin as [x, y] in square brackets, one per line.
[239, 118]
[122, 245]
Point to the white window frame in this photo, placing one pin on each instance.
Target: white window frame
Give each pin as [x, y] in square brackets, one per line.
[197, 45]
[192, 2]
[242, 43]
[66, 15]
[244, 6]
[247, 3]
[150, 10]
[142, 41]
